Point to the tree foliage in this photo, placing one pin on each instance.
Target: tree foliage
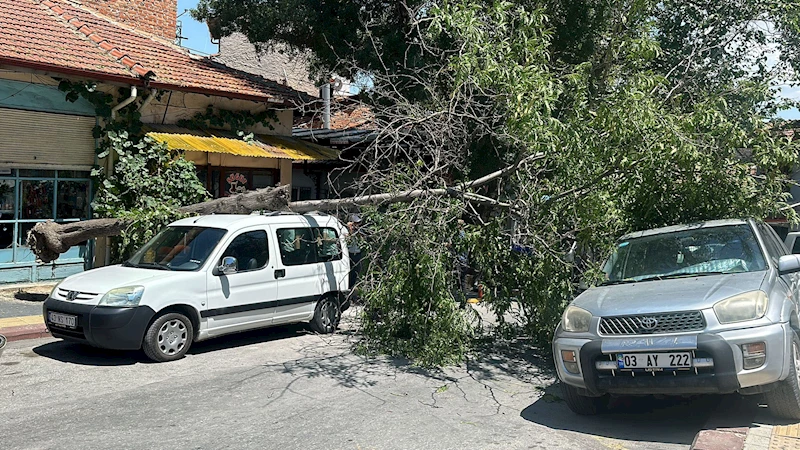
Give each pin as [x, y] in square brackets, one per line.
[644, 113]
[149, 182]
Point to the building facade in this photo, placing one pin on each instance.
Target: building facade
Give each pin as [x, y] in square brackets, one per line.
[47, 145]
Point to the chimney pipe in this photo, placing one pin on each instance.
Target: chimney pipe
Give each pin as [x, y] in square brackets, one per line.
[326, 101]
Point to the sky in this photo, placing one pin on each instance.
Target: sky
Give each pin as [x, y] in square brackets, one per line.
[199, 40]
[196, 33]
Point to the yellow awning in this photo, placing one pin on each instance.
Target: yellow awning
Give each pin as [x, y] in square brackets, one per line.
[261, 146]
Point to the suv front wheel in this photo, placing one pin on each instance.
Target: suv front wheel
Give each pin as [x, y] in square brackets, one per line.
[582, 405]
[784, 401]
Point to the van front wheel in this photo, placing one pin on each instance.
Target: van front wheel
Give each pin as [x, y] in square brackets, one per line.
[326, 315]
[168, 338]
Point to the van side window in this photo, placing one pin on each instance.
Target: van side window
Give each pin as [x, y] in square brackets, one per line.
[297, 246]
[328, 246]
[796, 246]
[250, 250]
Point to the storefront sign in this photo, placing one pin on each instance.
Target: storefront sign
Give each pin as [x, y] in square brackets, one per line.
[237, 183]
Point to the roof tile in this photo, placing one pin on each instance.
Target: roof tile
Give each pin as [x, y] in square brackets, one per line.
[62, 34]
[129, 63]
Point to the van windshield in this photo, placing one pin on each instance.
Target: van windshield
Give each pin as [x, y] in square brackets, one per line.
[695, 252]
[177, 248]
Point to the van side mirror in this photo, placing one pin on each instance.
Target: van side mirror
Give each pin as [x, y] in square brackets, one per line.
[788, 264]
[228, 266]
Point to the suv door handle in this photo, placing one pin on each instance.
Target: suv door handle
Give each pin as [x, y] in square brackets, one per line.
[280, 273]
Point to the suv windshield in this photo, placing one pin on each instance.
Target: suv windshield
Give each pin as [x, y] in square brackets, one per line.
[177, 248]
[700, 251]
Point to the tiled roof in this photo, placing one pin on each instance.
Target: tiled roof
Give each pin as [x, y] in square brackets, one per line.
[58, 36]
[347, 117]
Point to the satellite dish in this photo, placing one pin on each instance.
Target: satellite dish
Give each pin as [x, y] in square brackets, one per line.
[337, 85]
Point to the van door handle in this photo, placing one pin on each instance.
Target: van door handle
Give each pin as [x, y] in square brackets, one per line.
[280, 273]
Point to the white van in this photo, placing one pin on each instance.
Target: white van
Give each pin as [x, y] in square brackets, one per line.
[207, 276]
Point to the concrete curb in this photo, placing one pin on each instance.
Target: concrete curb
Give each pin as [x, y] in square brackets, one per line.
[23, 332]
[727, 429]
[720, 439]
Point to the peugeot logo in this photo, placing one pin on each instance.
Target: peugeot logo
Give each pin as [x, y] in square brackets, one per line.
[648, 323]
[72, 295]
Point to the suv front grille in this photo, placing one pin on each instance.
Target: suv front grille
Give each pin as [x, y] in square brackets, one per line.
[652, 323]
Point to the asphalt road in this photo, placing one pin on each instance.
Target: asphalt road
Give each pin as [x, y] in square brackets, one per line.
[286, 388]
[27, 301]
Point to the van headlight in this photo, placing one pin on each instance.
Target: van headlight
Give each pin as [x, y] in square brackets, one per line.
[576, 319]
[125, 297]
[55, 288]
[748, 306]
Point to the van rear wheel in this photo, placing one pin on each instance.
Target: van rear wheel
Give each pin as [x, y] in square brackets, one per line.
[168, 338]
[327, 315]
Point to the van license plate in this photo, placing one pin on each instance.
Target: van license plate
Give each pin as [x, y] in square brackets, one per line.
[629, 361]
[63, 320]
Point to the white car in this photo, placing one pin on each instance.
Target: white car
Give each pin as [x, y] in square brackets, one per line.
[207, 276]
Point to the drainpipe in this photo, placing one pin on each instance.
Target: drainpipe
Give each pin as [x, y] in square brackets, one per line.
[124, 103]
[146, 102]
[110, 158]
[326, 102]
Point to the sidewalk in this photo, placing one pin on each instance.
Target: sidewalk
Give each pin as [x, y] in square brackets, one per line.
[773, 437]
[21, 310]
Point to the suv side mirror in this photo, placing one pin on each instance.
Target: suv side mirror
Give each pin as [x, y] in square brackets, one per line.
[228, 266]
[788, 264]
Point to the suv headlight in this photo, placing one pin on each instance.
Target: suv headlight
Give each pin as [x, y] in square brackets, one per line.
[125, 297]
[576, 319]
[748, 306]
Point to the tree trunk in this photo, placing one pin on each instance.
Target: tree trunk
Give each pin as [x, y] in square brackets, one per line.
[48, 240]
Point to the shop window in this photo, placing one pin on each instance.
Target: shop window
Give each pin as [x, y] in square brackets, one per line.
[73, 174]
[7, 199]
[263, 179]
[215, 187]
[202, 175]
[301, 193]
[36, 173]
[73, 200]
[37, 199]
[235, 182]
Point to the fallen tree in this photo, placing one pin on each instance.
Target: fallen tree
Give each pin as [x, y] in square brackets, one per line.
[49, 239]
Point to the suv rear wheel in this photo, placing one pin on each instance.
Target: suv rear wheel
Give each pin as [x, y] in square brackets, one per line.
[582, 405]
[784, 401]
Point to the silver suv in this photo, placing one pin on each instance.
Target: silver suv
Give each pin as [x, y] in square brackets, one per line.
[708, 308]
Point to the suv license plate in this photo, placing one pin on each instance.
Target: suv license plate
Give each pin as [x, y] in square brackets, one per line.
[62, 320]
[629, 361]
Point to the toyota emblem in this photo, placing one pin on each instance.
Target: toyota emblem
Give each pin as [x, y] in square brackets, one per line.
[648, 323]
[72, 295]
